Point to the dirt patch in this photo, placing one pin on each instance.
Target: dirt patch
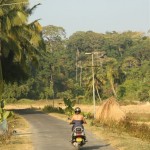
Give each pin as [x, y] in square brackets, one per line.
[21, 139]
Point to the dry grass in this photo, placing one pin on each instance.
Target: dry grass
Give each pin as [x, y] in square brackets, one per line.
[22, 104]
[140, 117]
[20, 140]
[140, 108]
[110, 111]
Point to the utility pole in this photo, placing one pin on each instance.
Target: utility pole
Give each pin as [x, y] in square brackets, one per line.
[76, 68]
[1, 72]
[77, 57]
[93, 82]
[80, 74]
[94, 103]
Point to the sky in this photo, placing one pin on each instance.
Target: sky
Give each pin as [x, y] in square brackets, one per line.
[94, 15]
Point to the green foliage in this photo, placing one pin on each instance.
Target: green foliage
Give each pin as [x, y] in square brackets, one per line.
[20, 41]
[66, 94]
[121, 63]
[88, 115]
[49, 92]
[78, 90]
[144, 95]
[69, 106]
[51, 109]
[121, 92]
[2, 104]
[4, 115]
[14, 91]
[25, 101]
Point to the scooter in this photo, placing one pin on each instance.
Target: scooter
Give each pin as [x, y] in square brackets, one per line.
[78, 137]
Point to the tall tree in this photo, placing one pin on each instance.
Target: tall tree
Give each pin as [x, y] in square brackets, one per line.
[19, 41]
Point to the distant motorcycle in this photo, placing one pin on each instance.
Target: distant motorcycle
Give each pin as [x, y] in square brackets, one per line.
[78, 137]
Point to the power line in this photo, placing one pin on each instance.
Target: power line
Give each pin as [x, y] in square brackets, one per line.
[13, 4]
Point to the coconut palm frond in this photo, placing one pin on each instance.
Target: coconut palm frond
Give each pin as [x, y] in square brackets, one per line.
[23, 40]
[18, 18]
[30, 11]
[1, 12]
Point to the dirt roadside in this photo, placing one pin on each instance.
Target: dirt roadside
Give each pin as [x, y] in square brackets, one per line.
[120, 141]
[21, 139]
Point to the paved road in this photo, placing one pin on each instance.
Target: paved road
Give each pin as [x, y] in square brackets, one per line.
[49, 133]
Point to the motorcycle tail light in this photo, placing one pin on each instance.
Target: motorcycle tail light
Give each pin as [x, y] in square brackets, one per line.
[79, 132]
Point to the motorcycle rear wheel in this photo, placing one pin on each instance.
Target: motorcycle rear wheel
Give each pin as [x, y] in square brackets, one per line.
[77, 146]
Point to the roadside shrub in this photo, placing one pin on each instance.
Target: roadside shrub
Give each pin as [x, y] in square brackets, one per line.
[6, 136]
[69, 106]
[50, 109]
[11, 100]
[144, 95]
[121, 92]
[128, 126]
[133, 128]
[88, 115]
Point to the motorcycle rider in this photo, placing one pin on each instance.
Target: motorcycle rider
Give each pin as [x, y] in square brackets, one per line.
[77, 119]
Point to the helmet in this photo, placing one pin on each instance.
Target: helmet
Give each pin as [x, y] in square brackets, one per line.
[77, 110]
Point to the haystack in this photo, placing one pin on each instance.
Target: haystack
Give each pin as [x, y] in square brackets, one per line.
[110, 111]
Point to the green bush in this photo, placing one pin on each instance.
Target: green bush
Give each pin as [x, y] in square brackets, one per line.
[51, 109]
[69, 106]
[88, 115]
[66, 94]
[144, 95]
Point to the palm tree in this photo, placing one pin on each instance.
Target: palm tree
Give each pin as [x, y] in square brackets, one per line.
[17, 36]
[112, 72]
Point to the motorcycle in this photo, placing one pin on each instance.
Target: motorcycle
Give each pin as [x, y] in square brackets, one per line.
[78, 137]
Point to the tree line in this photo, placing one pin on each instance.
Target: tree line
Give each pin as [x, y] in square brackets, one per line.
[42, 63]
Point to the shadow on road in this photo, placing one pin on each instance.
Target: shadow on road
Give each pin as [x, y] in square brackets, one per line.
[94, 147]
[26, 111]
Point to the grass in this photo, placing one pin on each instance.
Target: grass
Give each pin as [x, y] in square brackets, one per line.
[25, 101]
[128, 126]
[6, 137]
[139, 117]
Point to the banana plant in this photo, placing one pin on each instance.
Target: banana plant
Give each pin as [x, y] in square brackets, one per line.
[69, 106]
[4, 115]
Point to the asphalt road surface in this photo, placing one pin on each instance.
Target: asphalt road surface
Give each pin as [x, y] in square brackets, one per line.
[49, 133]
